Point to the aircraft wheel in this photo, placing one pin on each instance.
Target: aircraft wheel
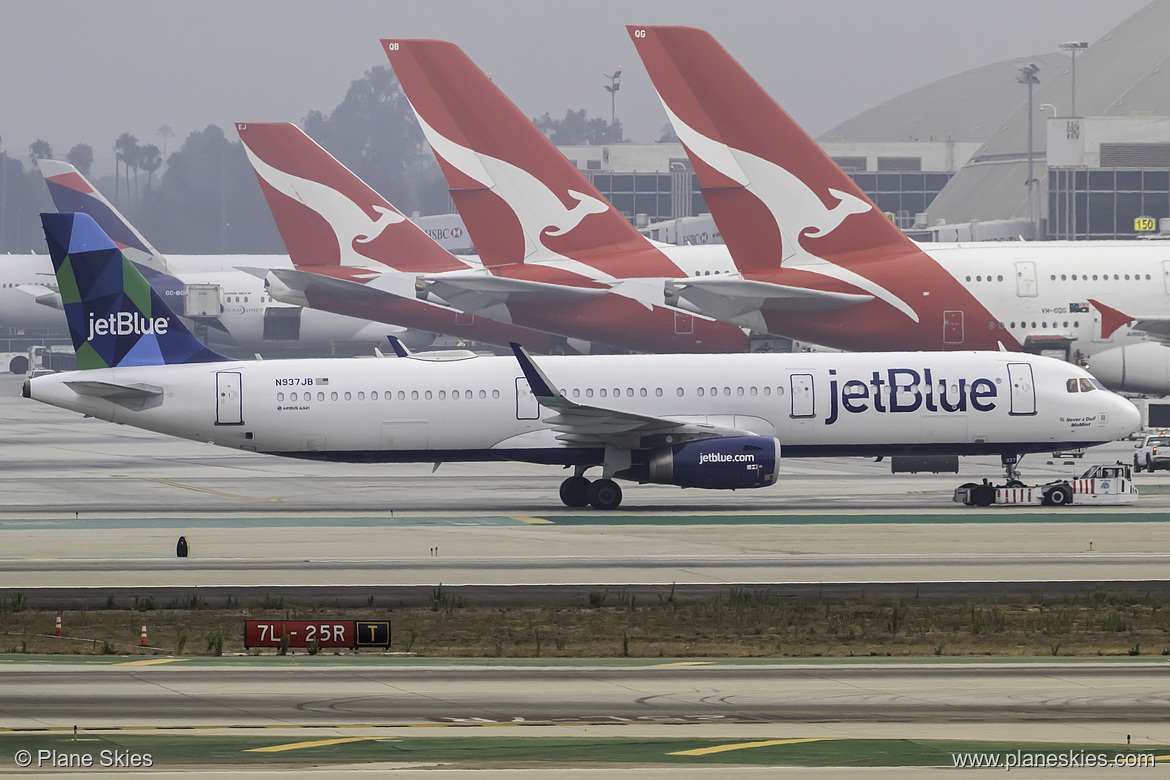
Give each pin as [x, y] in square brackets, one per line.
[604, 494]
[574, 491]
[1137, 466]
[1014, 483]
[1060, 495]
[983, 495]
[1149, 465]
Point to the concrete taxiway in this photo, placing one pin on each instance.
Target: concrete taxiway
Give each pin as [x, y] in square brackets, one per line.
[92, 504]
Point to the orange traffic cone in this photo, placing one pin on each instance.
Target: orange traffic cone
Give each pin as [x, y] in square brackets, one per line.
[58, 631]
[143, 640]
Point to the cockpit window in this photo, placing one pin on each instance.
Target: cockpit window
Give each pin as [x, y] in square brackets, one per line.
[1071, 385]
[1086, 386]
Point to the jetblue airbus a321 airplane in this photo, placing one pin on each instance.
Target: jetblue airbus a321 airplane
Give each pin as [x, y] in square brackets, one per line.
[709, 421]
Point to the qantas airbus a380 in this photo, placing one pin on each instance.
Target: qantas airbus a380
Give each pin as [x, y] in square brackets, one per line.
[708, 421]
[791, 217]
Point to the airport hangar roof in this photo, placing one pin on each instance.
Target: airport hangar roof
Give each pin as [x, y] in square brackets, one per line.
[1126, 72]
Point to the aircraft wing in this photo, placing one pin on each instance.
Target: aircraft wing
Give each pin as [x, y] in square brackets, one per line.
[741, 300]
[46, 296]
[1156, 327]
[477, 292]
[582, 425]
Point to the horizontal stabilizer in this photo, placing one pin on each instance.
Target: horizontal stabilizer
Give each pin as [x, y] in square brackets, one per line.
[45, 296]
[480, 292]
[114, 391]
[741, 300]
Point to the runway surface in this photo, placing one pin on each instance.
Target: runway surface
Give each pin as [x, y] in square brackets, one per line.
[329, 691]
[88, 503]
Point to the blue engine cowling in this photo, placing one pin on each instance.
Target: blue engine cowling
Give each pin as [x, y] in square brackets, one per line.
[717, 464]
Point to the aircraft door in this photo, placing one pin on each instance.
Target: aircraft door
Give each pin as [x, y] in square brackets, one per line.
[684, 323]
[1023, 389]
[803, 403]
[1166, 275]
[952, 327]
[527, 407]
[1026, 279]
[229, 404]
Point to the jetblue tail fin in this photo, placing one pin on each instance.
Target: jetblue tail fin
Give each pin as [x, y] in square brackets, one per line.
[115, 318]
[71, 191]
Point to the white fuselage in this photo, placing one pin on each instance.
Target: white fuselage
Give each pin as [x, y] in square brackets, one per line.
[397, 409]
[244, 303]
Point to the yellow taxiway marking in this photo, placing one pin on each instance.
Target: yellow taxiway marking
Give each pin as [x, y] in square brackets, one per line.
[149, 662]
[212, 492]
[683, 663]
[535, 520]
[314, 743]
[743, 746]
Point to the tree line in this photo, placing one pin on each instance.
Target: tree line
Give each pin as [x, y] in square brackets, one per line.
[207, 200]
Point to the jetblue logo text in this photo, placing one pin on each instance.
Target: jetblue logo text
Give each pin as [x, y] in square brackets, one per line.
[719, 457]
[906, 390]
[126, 323]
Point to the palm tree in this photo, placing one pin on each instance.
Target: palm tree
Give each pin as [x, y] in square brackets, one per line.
[165, 132]
[81, 158]
[151, 160]
[39, 150]
[124, 149]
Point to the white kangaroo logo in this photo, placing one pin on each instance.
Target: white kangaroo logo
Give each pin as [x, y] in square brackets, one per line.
[349, 222]
[795, 207]
[538, 209]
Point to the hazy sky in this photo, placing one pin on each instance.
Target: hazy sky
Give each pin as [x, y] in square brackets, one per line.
[78, 71]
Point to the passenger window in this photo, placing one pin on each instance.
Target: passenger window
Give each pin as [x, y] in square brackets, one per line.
[333, 396]
[320, 396]
[483, 393]
[280, 396]
[642, 392]
[455, 394]
[576, 393]
[292, 397]
[767, 391]
[681, 392]
[442, 395]
[401, 395]
[589, 392]
[495, 393]
[427, 395]
[414, 395]
[700, 391]
[348, 397]
[602, 392]
[374, 396]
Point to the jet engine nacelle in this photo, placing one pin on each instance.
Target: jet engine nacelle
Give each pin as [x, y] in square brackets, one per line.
[718, 464]
[1138, 368]
[284, 293]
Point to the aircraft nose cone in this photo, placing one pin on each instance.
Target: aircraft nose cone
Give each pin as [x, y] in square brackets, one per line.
[1128, 417]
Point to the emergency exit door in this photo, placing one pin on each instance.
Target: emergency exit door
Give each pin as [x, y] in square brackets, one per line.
[229, 404]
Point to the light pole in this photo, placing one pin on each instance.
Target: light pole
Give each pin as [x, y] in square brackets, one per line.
[615, 83]
[1073, 47]
[1028, 76]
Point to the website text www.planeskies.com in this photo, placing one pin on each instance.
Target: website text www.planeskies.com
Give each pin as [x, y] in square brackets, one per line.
[1066, 759]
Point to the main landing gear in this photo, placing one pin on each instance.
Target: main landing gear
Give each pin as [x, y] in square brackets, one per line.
[984, 494]
[579, 491]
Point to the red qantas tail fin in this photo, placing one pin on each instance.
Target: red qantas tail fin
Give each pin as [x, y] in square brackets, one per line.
[326, 214]
[775, 194]
[520, 198]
